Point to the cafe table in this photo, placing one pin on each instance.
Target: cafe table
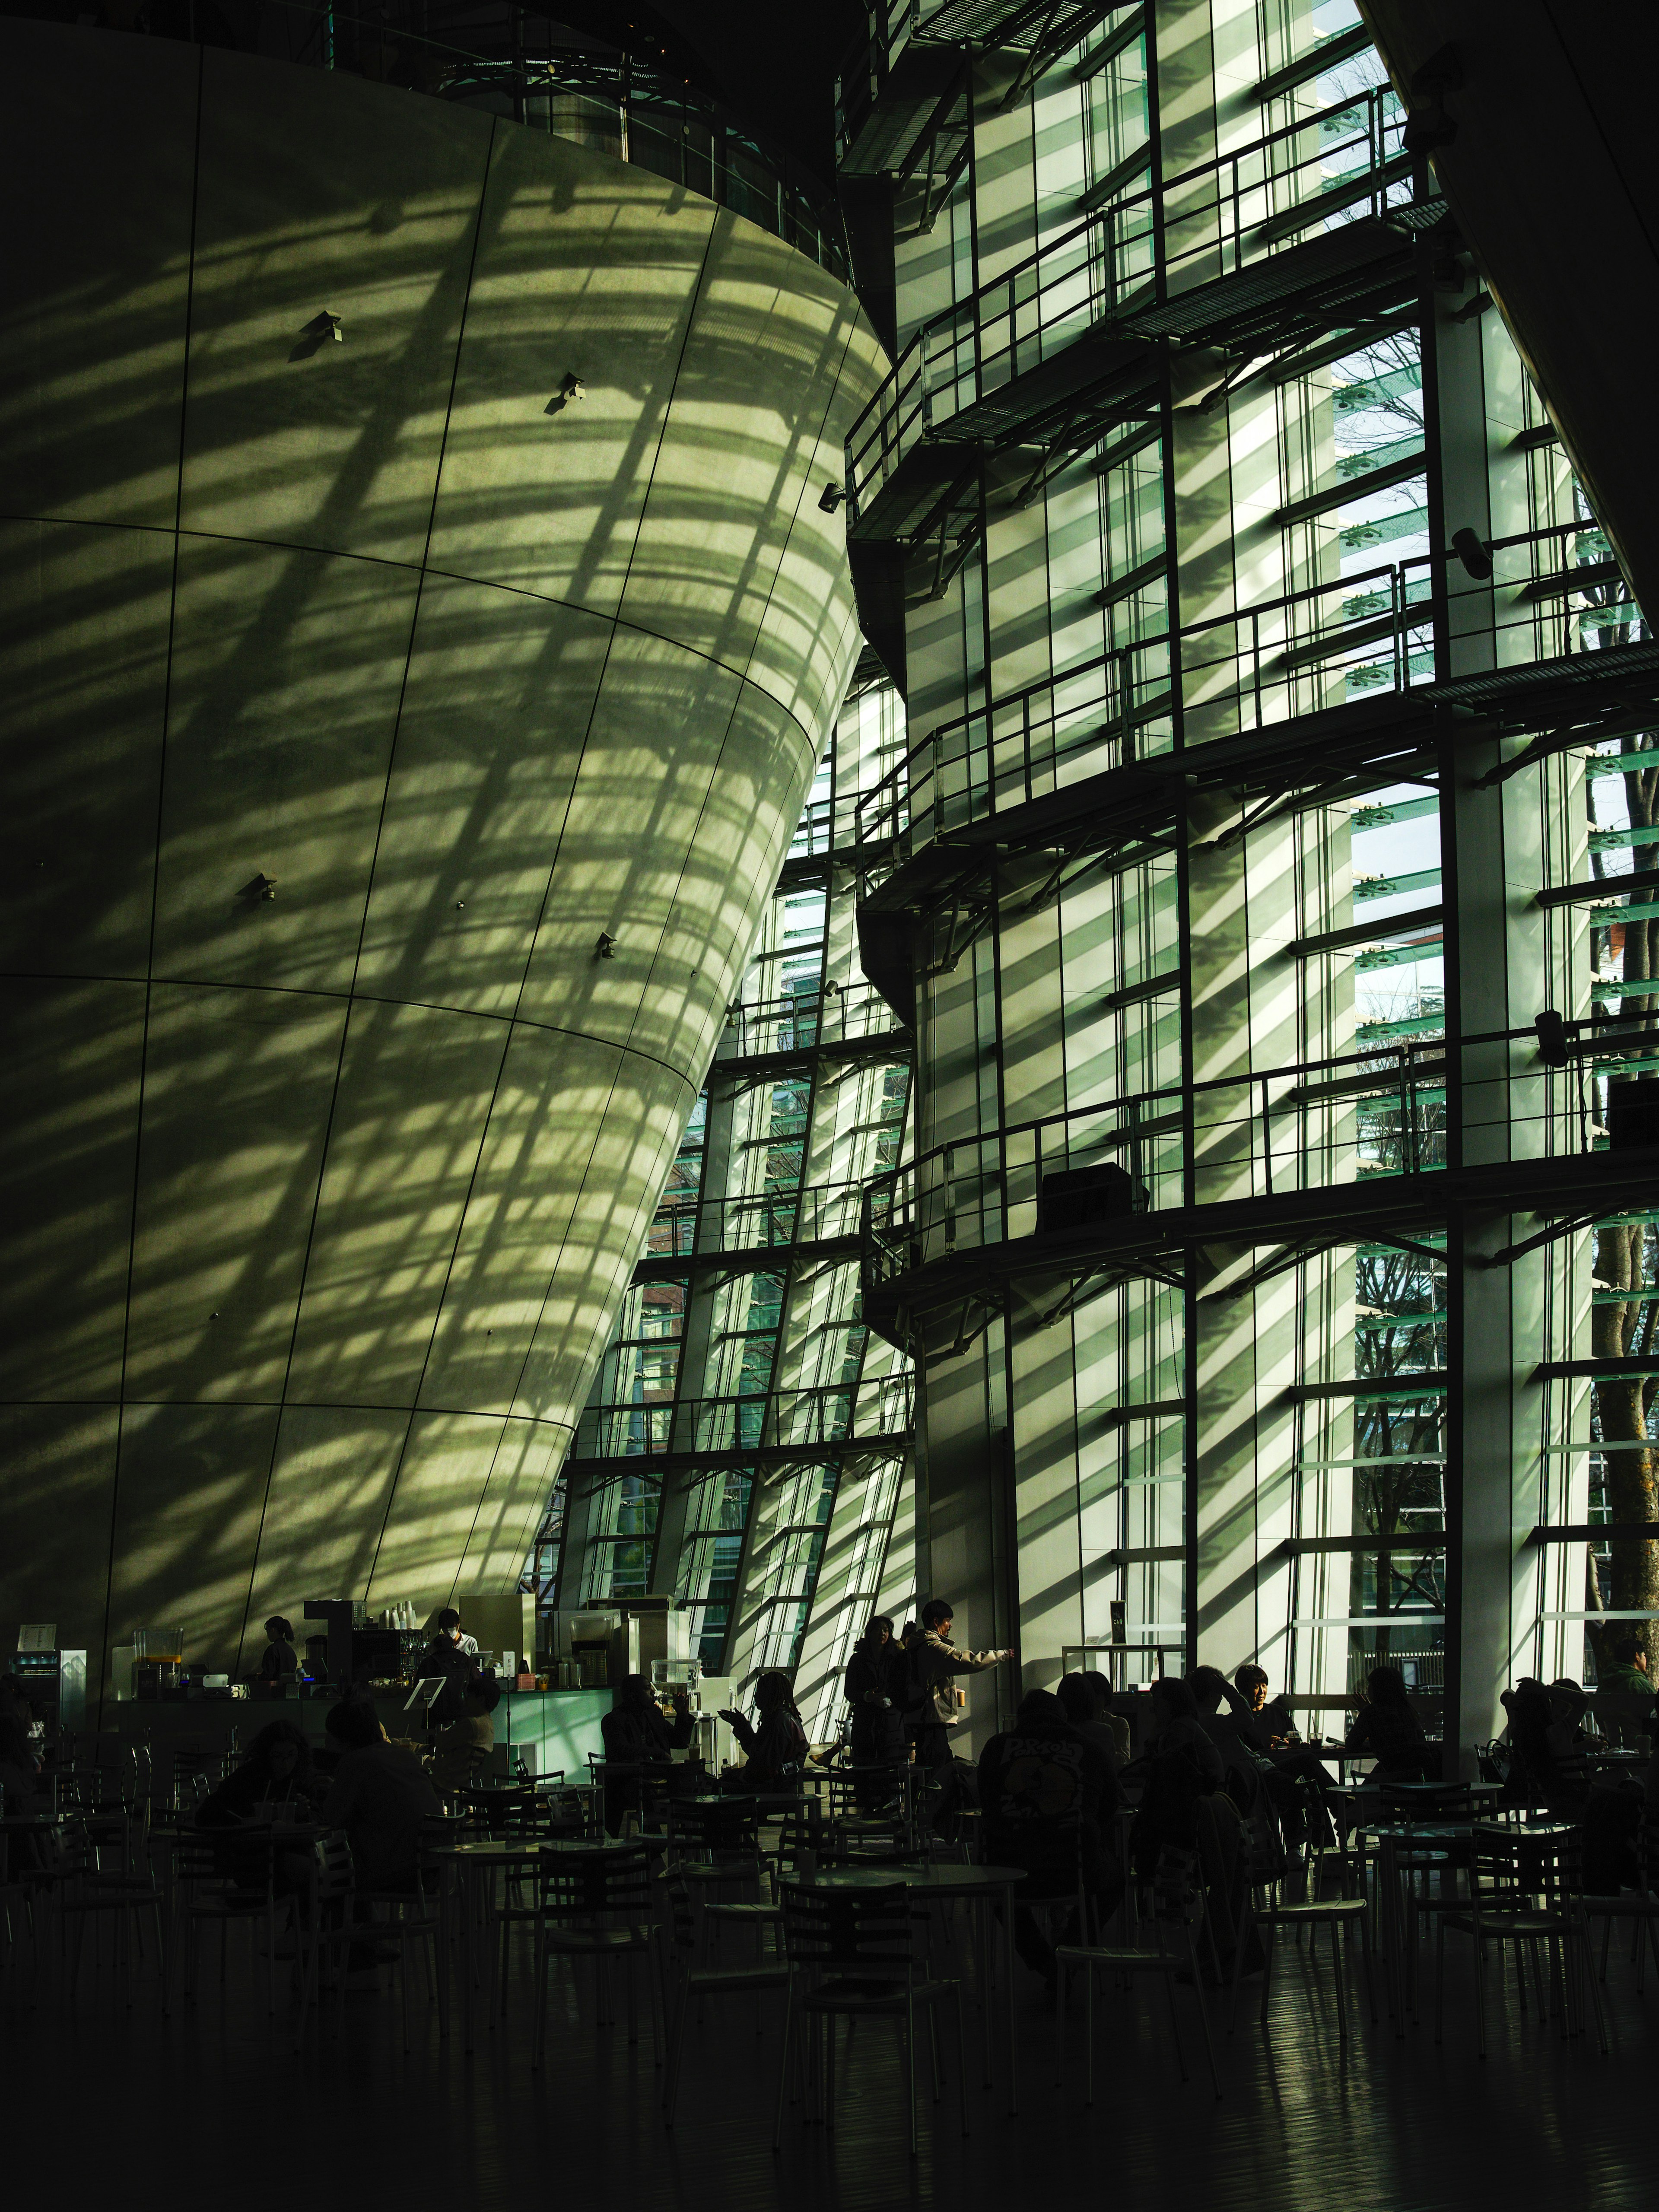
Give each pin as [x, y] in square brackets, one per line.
[980, 1886]
[474, 1866]
[1447, 1844]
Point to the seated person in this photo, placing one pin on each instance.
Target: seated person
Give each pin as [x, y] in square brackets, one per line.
[274, 1783]
[1389, 1730]
[1081, 1702]
[1548, 1770]
[1271, 1714]
[1177, 1730]
[1568, 1703]
[1253, 1734]
[1233, 1731]
[1108, 1710]
[636, 1732]
[1543, 1772]
[775, 1750]
[278, 1662]
[1046, 1791]
[381, 1795]
[1629, 1669]
[461, 1748]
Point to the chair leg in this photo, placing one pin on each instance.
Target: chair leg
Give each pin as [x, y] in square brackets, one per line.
[1481, 1996]
[1439, 1977]
[1246, 1923]
[1594, 1992]
[671, 2088]
[911, 2065]
[1366, 1965]
[1342, 1995]
[1168, 1979]
[783, 2063]
[540, 2029]
[961, 2059]
[1270, 1944]
[1204, 2030]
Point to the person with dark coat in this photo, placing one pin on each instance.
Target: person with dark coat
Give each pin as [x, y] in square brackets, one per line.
[381, 1793]
[1271, 1714]
[275, 1782]
[1080, 1702]
[446, 1659]
[1045, 1792]
[774, 1749]
[1386, 1727]
[873, 1692]
[637, 1734]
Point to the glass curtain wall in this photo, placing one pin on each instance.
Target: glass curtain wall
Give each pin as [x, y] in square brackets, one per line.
[1271, 1256]
[746, 1441]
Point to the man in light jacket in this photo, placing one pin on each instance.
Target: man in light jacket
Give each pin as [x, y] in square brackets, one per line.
[932, 1711]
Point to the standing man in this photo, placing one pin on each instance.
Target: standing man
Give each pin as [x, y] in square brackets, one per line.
[447, 1656]
[877, 1723]
[931, 1707]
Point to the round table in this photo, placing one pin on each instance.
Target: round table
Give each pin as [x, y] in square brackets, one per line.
[980, 1885]
[474, 1865]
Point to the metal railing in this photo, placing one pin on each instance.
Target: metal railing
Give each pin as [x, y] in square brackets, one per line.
[883, 1405]
[1311, 1125]
[520, 61]
[1215, 218]
[1267, 663]
[799, 1021]
[765, 1218]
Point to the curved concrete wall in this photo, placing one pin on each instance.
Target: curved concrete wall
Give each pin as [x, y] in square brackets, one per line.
[317, 1208]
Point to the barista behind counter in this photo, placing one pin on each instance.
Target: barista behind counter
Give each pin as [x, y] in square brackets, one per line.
[637, 1732]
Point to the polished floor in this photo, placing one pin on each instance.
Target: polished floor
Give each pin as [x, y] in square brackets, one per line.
[217, 2097]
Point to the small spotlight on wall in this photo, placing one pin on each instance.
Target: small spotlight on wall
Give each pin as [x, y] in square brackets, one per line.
[1475, 556]
[1551, 1030]
[832, 496]
[606, 949]
[571, 387]
[326, 325]
[261, 888]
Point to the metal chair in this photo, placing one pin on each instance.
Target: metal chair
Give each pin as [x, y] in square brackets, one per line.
[1264, 1909]
[1177, 1913]
[1640, 1906]
[328, 1908]
[696, 1985]
[596, 1904]
[85, 1893]
[851, 1955]
[1526, 1887]
[227, 1879]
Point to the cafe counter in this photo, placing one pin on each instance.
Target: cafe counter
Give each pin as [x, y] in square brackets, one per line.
[551, 1731]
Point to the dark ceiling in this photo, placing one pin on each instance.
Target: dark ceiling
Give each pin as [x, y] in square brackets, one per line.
[774, 65]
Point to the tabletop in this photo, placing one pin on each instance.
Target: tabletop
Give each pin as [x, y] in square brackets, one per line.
[1421, 1832]
[493, 1850]
[943, 1880]
[1435, 1788]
